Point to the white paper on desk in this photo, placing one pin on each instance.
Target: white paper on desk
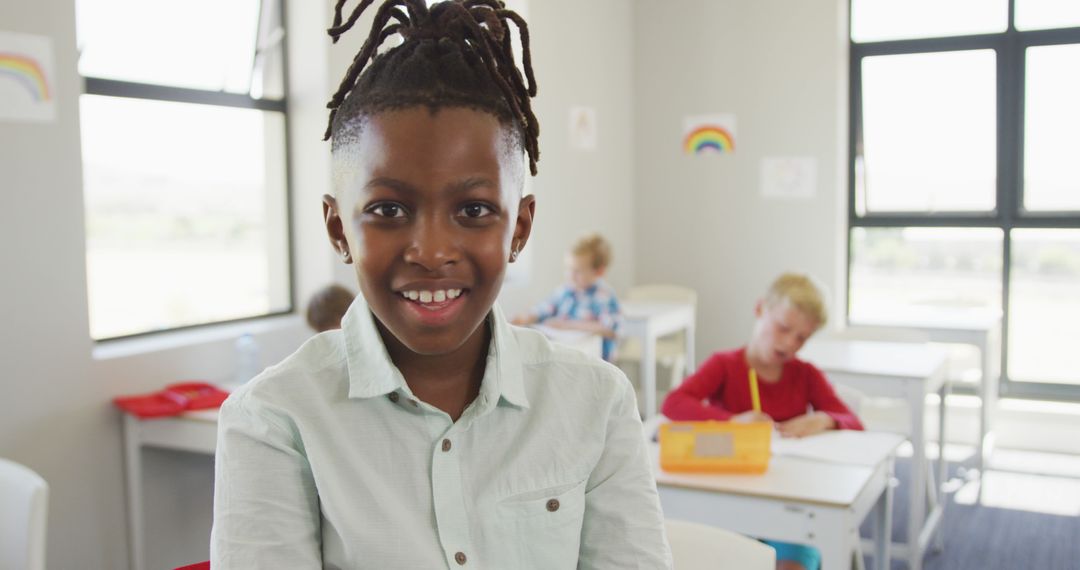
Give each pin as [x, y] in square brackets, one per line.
[839, 446]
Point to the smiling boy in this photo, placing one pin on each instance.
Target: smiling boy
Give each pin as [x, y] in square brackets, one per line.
[428, 432]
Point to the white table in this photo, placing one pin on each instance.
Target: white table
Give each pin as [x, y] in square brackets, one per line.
[978, 327]
[648, 321]
[193, 431]
[898, 370]
[589, 343]
[802, 498]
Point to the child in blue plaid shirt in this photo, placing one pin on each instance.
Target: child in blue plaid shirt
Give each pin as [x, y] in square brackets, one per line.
[586, 302]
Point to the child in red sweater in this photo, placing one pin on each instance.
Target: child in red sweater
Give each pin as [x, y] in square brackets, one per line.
[793, 393]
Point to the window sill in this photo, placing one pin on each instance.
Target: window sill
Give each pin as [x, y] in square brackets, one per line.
[124, 348]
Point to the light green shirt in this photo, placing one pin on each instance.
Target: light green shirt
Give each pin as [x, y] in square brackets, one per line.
[328, 460]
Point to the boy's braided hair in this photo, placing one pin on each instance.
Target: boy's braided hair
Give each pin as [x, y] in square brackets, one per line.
[457, 53]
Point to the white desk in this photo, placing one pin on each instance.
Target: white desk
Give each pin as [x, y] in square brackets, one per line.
[813, 501]
[648, 321]
[589, 343]
[194, 431]
[978, 327]
[898, 370]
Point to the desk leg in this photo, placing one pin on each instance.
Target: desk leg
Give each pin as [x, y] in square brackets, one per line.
[942, 469]
[882, 523]
[835, 538]
[989, 396]
[918, 471]
[133, 474]
[648, 374]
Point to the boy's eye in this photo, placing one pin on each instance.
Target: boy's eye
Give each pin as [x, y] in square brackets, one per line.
[387, 210]
[476, 210]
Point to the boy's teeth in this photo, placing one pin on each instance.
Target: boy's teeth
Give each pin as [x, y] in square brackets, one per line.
[439, 296]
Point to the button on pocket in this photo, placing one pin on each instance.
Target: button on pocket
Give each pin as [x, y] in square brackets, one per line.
[553, 505]
[551, 518]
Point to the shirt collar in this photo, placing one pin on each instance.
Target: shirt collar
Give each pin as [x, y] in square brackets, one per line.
[372, 373]
[592, 289]
[508, 380]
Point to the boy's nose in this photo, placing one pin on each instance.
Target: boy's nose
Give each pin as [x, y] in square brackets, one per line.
[432, 246]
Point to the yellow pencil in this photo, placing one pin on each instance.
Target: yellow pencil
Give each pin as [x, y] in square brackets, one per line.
[755, 398]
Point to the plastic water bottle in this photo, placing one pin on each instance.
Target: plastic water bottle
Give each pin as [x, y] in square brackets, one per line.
[247, 359]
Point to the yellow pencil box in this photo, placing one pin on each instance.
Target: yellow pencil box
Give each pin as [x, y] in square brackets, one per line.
[715, 447]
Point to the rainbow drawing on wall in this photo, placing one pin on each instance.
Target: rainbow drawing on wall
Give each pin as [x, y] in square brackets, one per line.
[26, 72]
[712, 134]
[708, 138]
[27, 83]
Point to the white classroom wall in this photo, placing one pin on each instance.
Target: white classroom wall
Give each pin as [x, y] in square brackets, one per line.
[781, 68]
[582, 52]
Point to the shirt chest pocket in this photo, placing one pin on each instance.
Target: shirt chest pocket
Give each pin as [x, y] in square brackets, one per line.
[544, 526]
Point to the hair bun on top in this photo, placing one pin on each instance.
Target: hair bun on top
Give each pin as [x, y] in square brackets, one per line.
[455, 53]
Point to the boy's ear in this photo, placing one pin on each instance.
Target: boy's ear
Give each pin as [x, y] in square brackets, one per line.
[759, 308]
[523, 224]
[335, 229]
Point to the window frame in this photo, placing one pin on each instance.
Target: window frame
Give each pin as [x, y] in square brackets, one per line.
[154, 92]
[1010, 48]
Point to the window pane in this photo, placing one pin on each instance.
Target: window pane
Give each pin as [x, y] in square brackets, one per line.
[1051, 121]
[185, 213]
[1045, 14]
[908, 272]
[1044, 306]
[877, 20]
[928, 133]
[199, 44]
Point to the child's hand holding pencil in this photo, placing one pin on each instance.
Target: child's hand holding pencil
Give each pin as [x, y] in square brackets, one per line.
[755, 414]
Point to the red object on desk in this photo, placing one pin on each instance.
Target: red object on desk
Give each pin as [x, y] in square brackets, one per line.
[173, 400]
[199, 566]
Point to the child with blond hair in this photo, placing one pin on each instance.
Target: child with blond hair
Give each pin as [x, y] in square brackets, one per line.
[585, 302]
[793, 393]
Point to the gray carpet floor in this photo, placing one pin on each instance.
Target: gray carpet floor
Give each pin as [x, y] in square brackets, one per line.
[988, 538]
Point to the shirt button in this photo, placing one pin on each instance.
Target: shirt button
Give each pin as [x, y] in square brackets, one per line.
[460, 558]
[393, 397]
[446, 447]
[553, 505]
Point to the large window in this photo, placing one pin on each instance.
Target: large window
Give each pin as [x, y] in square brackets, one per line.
[184, 163]
[965, 177]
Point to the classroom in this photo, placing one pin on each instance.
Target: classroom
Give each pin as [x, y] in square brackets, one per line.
[167, 214]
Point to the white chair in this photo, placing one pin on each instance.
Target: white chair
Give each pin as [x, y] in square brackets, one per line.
[671, 349]
[699, 547]
[24, 497]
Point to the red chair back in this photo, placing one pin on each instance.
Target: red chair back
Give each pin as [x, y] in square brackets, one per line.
[199, 566]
